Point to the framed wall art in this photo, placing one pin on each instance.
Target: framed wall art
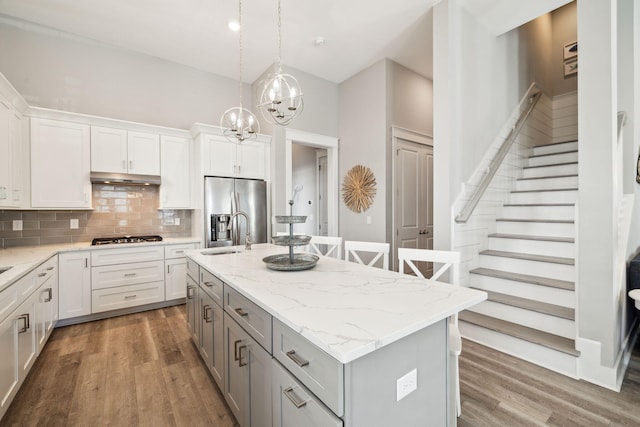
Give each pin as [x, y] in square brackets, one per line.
[570, 50]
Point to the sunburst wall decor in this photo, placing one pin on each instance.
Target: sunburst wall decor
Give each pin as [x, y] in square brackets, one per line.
[359, 188]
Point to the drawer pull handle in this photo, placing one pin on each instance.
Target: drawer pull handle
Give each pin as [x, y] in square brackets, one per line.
[42, 274]
[206, 309]
[130, 296]
[189, 292]
[129, 274]
[179, 252]
[241, 312]
[209, 284]
[50, 268]
[49, 291]
[25, 319]
[299, 403]
[299, 361]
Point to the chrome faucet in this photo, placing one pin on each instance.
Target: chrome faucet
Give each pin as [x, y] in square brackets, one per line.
[247, 238]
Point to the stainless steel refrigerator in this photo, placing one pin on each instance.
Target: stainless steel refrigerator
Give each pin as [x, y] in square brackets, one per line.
[225, 196]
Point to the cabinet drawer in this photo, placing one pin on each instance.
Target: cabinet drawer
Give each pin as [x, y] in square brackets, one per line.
[193, 269]
[211, 285]
[126, 296]
[321, 373]
[252, 318]
[46, 270]
[109, 276]
[126, 255]
[177, 251]
[294, 405]
[9, 298]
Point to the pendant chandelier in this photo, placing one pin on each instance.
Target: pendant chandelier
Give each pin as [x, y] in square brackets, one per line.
[239, 124]
[281, 98]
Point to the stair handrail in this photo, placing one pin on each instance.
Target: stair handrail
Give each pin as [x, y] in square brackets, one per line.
[531, 98]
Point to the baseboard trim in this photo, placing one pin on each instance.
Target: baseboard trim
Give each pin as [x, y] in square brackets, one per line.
[120, 312]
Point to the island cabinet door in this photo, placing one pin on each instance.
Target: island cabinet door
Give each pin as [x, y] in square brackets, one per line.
[294, 405]
[193, 323]
[247, 385]
[206, 328]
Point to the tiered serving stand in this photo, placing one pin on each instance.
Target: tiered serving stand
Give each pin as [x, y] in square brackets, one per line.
[291, 261]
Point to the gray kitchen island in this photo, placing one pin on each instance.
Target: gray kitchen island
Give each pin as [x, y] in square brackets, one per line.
[341, 344]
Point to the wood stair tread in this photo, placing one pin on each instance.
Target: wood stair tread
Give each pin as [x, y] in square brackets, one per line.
[554, 164]
[555, 342]
[546, 189]
[529, 237]
[537, 204]
[548, 177]
[553, 154]
[529, 257]
[529, 304]
[551, 221]
[525, 278]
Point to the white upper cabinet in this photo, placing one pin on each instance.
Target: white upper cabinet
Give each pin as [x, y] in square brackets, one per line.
[224, 158]
[12, 160]
[60, 164]
[175, 188]
[5, 153]
[121, 151]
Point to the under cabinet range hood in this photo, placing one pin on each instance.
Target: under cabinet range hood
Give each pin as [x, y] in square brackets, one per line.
[124, 178]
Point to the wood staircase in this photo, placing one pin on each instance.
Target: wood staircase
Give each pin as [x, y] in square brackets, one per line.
[528, 269]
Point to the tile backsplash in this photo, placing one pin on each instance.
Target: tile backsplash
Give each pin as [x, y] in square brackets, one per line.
[117, 210]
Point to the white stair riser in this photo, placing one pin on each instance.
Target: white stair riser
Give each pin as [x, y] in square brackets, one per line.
[531, 319]
[547, 183]
[539, 212]
[533, 268]
[536, 228]
[555, 148]
[568, 196]
[571, 169]
[557, 361]
[552, 159]
[537, 247]
[562, 297]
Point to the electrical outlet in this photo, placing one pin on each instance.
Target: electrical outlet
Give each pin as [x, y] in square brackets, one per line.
[368, 219]
[406, 384]
[176, 221]
[17, 225]
[74, 224]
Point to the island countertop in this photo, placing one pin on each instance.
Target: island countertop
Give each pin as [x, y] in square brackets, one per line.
[344, 308]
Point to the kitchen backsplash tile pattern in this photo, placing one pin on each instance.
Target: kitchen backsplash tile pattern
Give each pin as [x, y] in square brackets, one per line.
[117, 210]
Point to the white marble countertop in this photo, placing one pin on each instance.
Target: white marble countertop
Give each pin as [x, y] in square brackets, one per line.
[24, 259]
[344, 308]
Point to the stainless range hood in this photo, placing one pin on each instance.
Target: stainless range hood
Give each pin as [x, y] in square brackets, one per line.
[124, 178]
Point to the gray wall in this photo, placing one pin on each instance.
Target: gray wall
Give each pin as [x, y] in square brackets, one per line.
[565, 30]
[58, 71]
[411, 100]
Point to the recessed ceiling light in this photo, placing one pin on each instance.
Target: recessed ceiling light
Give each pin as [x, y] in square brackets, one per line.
[234, 26]
[319, 41]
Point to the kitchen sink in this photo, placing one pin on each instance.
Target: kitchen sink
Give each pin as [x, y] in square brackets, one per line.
[3, 269]
[222, 252]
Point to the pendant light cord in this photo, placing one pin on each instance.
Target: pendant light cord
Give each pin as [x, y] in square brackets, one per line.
[240, 39]
[279, 37]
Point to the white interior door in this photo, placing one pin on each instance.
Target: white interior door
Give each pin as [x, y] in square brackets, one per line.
[414, 199]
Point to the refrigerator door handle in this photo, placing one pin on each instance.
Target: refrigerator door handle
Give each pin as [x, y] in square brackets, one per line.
[237, 225]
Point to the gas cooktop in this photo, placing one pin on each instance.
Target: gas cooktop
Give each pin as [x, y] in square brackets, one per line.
[124, 239]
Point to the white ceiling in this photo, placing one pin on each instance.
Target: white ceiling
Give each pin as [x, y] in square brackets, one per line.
[358, 33]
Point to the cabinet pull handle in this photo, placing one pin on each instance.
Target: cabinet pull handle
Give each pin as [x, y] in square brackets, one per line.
[169, 268]
[129, 274]
[86, 262]
[205, 313]
[179, 252]
[241, 312]
[235, 350]
[130, 164]
[130, 296]
[49, 292]
[50, 268]
[42, 274]
[299, 403]
[242, 347]
[25, 319]
[297, 359]
[209, 284]
[189, 293]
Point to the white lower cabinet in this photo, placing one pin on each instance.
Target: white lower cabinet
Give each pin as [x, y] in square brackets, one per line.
[176, 270]
[9, 379]
[47, 300]
[74, 282]
[247, 382]
[294, 405]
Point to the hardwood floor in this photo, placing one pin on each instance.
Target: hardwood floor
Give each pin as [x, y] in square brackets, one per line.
[136, 370]
[143, 370]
